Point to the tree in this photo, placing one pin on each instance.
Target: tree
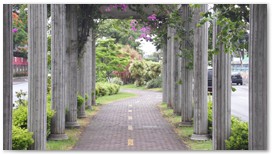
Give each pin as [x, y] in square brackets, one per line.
[109, 58]
[136, 69]
[125, 74]
[120, 31]
[19, 25]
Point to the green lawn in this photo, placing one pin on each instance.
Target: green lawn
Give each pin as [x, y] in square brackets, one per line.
[74, 134]
[132, 86]
[183, 132]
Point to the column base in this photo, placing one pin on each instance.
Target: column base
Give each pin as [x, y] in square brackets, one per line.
[72, 125]
[169, 106]
[82, 115]
[88, 107]
[186, 124]
[57, 137]
[200, 137]
[177, 113]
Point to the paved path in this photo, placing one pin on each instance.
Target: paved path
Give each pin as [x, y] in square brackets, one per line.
[134, 124]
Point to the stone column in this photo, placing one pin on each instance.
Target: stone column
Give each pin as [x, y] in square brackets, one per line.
[58, 47]
[93, 80]
[7, 76]
[169, 59]
[186, 72]
[200, 78]
[174, 74]
[37, 76]
[71, 54]
[88, 69]
[80, 81]
[258, 77]
[164, 71]
[221, 94]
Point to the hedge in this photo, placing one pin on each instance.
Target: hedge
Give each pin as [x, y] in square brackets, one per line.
[104, 88]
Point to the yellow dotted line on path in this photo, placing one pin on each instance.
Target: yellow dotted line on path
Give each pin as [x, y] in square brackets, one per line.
[130, 128]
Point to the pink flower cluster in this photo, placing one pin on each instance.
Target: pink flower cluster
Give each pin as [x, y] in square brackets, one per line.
[133, 24]
[146, 30]
[14, 30]
[123, 7]
[152, 17]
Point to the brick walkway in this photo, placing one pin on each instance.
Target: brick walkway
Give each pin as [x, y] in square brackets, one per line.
[134, 124]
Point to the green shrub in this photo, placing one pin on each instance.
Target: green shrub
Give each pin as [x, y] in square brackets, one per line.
[139, 82]
[210, 115]
[80, 101]
[137, 71]
[48, 84]
[117, 81]
[154, 83]
[21, 138]
[152, 70]
[49, 113]
[21, 98]
[239, 135]
[104, 88]
[111, 89]
[19, 115]
[86, 97]
[239, 131]
[116, 88]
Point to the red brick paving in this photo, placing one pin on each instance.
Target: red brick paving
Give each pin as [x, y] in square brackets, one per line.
[108, 130]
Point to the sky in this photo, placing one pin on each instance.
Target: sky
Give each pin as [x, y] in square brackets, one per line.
[147, 47]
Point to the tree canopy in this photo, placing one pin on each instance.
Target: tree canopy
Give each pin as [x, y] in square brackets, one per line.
[109, 58]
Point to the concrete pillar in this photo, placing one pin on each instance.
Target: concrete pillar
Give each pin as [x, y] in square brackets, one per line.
[164, 71]
[174, 74]
[169, 59]
[93, 79]
[58, 47]
[221, 94]
[200, 78]
[7, 77]
[186, 94]
[37, 76]
[71, 62]
[88, 69]
[258, 77]
[186, 73]
[80, 81]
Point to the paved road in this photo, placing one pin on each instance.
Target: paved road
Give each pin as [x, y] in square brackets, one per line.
[19, 84]
[240, 102]
[134, 124]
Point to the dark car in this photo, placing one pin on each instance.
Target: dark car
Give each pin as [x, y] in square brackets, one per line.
[237, 78]
[210, 74]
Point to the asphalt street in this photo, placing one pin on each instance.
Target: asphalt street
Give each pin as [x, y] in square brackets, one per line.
[240, 102]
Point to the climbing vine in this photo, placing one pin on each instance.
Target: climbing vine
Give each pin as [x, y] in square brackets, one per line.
[233, 20]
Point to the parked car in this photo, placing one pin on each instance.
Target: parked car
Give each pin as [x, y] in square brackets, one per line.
[237, 78]
[210, 74]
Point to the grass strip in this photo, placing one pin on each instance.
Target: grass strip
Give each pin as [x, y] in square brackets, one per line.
[183, 132]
